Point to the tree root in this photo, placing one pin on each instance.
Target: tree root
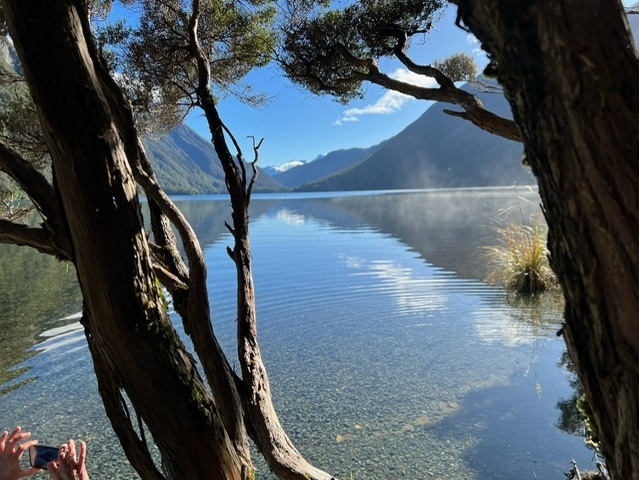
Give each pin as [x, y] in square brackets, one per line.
[600, 474]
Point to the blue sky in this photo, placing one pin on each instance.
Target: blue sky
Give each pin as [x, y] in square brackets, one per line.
[297, 125]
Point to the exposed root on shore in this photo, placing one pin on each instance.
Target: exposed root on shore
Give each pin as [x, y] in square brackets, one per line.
[600, 474]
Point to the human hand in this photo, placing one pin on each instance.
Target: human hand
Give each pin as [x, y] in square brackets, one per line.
[66, 467]
[11, 451]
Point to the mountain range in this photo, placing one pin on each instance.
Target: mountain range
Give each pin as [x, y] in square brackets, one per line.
[186, 163]
[437, 150]
[324, 166]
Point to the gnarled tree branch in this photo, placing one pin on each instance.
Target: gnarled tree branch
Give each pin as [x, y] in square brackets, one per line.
[110, 387]
[336, 52]
[38, 238]
[43, 195]
[263, 424]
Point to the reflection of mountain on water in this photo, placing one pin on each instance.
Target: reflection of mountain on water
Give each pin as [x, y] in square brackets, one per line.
[446, 227]
[208, 214]
[448, 230]
[34, 290]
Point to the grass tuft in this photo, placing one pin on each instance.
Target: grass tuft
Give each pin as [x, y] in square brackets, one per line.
[520, 262]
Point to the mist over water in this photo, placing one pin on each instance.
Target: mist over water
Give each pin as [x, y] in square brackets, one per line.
[389, 357]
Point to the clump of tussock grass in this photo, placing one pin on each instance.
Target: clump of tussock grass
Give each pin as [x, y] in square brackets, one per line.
[520, 261]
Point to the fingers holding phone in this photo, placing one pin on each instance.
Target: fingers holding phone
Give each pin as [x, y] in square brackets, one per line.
[12, 445]
[62, 463]
[41, 455]
[66, 466]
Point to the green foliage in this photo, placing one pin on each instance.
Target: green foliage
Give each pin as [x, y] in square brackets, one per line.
[158, 69]
[378, 22]
[19, 123]
[319, 52]
[592, 434]
[458, 67]
[109, 37]
[100, 9]
[20, 129]
[331, 50]
[153, 63]
[521, 261]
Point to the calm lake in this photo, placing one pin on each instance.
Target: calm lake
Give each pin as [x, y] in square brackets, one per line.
[389, 356]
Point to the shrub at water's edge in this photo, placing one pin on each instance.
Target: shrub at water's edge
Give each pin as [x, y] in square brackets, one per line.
[520, 262]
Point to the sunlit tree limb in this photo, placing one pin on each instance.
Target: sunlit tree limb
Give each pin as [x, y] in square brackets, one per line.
[30, 180]
[335, 51]
[44, 198]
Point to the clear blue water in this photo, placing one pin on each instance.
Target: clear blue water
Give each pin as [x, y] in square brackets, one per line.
[389, 357]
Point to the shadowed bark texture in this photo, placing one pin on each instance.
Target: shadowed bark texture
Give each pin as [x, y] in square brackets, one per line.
[149, 382]
[133, 343]
[571, 74]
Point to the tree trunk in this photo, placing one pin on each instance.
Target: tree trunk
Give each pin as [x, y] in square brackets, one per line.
[129, 333]
[262, 422]
[264, 426]
[571, 74]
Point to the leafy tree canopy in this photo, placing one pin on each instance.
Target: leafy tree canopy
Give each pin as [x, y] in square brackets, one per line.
[459, 66]
[331, 50]
[334, 51]
[157, 63]
[152, 61]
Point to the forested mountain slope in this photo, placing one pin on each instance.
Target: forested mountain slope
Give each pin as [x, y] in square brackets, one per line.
[437, 150]
[185, 163]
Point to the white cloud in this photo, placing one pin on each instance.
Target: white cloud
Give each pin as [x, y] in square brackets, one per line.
[476, 44]
[288, 165]
[391, 101]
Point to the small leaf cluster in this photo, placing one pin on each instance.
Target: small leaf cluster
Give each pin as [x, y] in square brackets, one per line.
[458, 67]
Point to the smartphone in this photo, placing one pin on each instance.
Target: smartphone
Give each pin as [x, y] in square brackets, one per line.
[40, 455]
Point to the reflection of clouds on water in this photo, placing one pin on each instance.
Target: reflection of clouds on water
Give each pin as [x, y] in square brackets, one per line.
[73, 316]
[291, 217]
[61, 347]
[64, 336]
[494, 325]
[412, 295]
[54, 332]
[497, 318]
[518, 320]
